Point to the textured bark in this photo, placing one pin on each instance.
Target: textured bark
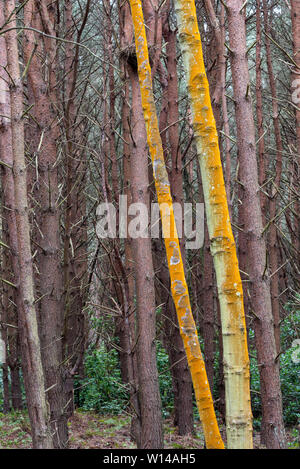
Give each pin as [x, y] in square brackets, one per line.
[230, 293]
[208, 310]
[178, 283]
[75, 242]
[259, 282]
[277, 170]
[182, 383]
[150, 405]
[259, 111]
[130, 373]
[11, 297]
[10, 284]
[181, 377]
[31, 352]
[47, 214]
[146, 427]
[153, 24]
[295, 14]
[227, 149]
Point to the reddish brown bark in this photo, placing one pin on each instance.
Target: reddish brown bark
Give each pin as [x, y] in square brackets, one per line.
[147, 427]
[227, 149]
[153, 22]
[75, 241]
[151, 423]
[277, 170]
[259, 282]
[259, 110]
[129, 362]
[47, 214]
[31, 352]
[11, 301]
[295, 14]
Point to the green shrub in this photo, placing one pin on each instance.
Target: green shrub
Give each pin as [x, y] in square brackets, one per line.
[165, 380]
[102, 389]
[289, 372]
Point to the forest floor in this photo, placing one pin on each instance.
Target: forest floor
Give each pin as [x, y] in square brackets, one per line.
[89, 430]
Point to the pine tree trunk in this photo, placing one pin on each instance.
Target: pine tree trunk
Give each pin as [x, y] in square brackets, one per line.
[149, 398]
[75, 240]
[295, 14]
[31, 351]
[259, 282]
[277, 170]
[47, 236]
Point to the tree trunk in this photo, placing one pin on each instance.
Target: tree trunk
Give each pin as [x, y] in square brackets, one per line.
[259, 111]
[259, 282]
[31, 352]
[230, 292]
[149, 398]
[75, 241]
[273, 244]
[295, 14]
[47, 237]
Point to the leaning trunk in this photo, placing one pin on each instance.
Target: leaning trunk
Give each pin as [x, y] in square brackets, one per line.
[178, 283]
[230, 291]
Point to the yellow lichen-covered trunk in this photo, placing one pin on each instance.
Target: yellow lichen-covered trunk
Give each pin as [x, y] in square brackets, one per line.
[178, 283]
[230, 292]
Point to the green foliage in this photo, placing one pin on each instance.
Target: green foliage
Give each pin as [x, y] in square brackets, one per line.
[165, 380]
[14, 430]
[289, 371]
[102, 389]
[290, 363]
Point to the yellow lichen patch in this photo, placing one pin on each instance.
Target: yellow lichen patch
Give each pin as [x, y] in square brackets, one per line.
[179, 288]
[236, 361]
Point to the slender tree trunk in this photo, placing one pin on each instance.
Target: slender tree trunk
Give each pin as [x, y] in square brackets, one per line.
[223, 66]
[295, 14]
[150, 405]
[273, 244]
[31, 352]
[259, 111]
[47, 214]
[11, 297]
[259, 282]
[75, 242]
[130, 373]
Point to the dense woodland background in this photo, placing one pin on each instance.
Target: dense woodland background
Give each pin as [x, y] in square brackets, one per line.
[107, 337]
